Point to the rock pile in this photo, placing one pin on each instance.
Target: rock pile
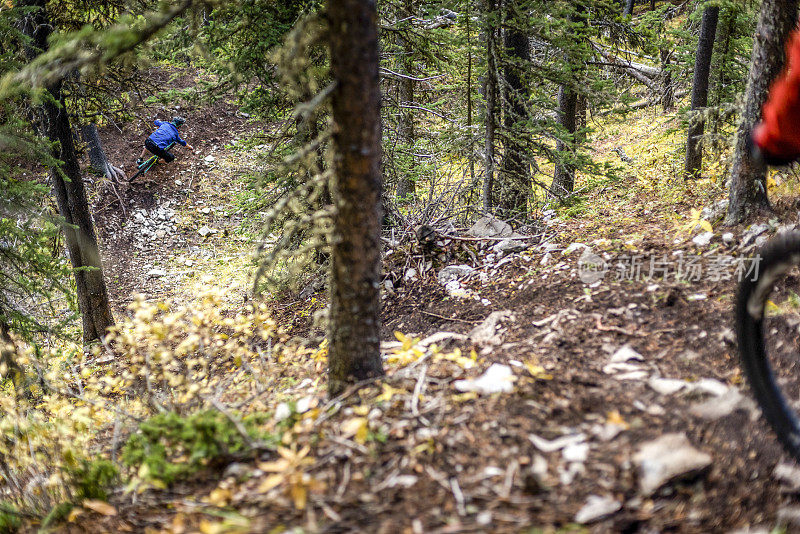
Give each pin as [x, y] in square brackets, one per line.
[149, 227]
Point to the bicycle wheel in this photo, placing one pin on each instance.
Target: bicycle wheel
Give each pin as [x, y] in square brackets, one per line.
[768, 332]
[144, 168]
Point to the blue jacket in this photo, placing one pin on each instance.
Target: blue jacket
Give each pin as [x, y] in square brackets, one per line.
[166, 134]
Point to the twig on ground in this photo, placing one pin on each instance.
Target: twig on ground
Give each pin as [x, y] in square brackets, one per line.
[467, 321]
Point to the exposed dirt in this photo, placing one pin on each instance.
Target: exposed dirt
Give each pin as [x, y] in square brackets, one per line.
[469, 461]
[182, 185]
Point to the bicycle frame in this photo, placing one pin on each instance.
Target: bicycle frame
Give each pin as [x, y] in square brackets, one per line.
[148, 163]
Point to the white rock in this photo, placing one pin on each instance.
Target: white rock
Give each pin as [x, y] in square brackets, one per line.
[209, 159]
[453, 286]
[728, 238]
[454, 272]
[709, 386]
[157, 273]
[723, 405]
[666, 386]
[509, 246]
[703, 240]
[557, 444]
[304, 404]
[484, 518]
[498, 378]
[490, 227]
[625, 354]
[597, 508]
[205, 231]
[576, 452]
[282, 411]
[667, 459]
[492, 471]
[410, 275]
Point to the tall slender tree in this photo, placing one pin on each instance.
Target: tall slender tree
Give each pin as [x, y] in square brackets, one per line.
[515, 169]
[490, 31]
[354, 335]
[702, 69]
[405, 125]
[564, 173]
[747, 187]
[67, 184]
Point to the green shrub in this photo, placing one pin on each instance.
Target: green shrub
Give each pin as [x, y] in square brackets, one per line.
[172, 447]
[9, 518]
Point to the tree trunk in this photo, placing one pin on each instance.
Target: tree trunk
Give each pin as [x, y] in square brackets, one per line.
[747, 188]
[9, 367]
[97, 156]
[668, 93]
[564, 176]
[491, 103]
[354, 335]
[628, 8]
[719, 62]
[515, 169]
[405, 127]
[564, 172]
[67, 183]
[471, 147]
[702, 68]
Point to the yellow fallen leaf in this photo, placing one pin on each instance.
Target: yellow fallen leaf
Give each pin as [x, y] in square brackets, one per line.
[386, 395]
[537, 371]
[101, 507]
[270, 483]
[74, 513]
[358, 427]
[299, 496]
[219, 497]
[615, 418]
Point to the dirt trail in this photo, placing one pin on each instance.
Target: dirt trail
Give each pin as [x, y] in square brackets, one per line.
[605, 368]
[152, 228]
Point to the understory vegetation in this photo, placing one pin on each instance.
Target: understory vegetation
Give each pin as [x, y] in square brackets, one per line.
[189, 351]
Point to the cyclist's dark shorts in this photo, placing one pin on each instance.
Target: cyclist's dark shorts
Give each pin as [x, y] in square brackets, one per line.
[158, 151]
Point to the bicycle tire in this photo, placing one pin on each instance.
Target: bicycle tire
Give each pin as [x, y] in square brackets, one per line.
[143, 169]
[765, 372]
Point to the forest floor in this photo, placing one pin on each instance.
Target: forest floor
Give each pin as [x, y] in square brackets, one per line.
[625, 410]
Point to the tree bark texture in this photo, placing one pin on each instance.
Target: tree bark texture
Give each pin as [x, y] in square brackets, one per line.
[490, 95]
[515, 169]
[702, 69]
[564, 175]
[97, 156]
[668, 89]
[405, 126]
[747, 188]
[628, 7]
[67, 183]
[564, 172]
[354, 335]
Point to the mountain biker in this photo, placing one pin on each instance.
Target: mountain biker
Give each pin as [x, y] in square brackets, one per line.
[777, 136]
[163, 137]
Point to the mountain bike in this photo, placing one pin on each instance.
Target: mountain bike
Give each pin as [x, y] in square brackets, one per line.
[148, 163]
[768, 334]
